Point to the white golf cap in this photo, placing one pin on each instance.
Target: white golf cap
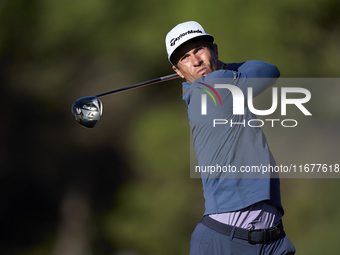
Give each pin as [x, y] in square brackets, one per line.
[182, 33]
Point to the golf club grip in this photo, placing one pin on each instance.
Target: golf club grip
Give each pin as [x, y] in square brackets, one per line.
[138, 85]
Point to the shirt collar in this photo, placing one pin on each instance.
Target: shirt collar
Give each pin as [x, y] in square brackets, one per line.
[186, 92]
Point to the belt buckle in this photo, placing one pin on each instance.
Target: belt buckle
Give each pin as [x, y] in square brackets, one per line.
[257, 230]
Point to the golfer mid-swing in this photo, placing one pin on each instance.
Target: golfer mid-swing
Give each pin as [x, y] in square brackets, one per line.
[242, 214]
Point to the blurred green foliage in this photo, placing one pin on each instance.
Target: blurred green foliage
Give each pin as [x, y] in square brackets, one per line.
[124, 187]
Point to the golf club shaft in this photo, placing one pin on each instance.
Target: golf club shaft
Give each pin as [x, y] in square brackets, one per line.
[145, 83]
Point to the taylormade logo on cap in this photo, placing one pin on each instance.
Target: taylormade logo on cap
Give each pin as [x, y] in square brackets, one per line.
[173, 41]
[182, 33]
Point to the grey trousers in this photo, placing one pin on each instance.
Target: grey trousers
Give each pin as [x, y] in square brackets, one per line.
[205, 241]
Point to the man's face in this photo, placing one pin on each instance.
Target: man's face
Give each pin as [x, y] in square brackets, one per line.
[195, 59]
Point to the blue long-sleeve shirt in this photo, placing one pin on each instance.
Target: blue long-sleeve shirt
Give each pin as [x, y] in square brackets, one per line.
[237, 146]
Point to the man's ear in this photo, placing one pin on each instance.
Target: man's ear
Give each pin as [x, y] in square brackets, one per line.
[178, 71]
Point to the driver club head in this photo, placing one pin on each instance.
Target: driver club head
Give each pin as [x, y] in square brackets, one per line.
[87, 111]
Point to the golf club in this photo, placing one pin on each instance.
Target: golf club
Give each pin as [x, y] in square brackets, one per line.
[88, 110]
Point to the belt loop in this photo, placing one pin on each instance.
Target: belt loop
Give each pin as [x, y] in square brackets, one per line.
[232, 233]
